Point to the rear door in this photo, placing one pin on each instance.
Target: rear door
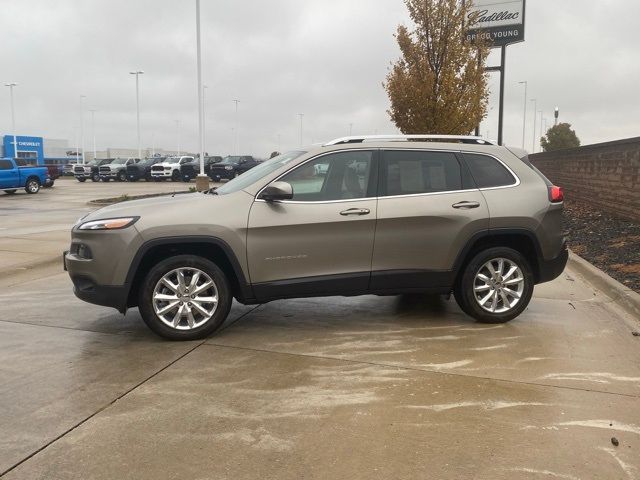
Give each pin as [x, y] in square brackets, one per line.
[9, 176]
[320, 241]
[428, 209]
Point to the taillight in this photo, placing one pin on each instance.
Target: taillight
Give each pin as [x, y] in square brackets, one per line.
[556, 195]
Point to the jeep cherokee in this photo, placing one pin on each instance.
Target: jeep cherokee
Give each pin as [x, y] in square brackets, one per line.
[358, 215]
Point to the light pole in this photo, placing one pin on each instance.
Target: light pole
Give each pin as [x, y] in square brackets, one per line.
[301, 115]
[179, 137]
[524, 114]
[202, 181]
[93, 131]
[556, 113]
[236, 139]
[137, 73]
[13, 119]
[540, 112]
[350, 129]
[82, 97]
[204, 119]
[535, 105]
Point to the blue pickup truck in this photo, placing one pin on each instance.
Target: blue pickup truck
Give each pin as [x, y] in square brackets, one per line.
[13, 177]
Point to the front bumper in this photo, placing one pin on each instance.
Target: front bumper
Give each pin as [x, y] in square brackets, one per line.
[551, 269]
[163, 174]
[217, 175]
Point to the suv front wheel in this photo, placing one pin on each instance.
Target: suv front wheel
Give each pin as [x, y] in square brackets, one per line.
[496, 285]
[185, 297]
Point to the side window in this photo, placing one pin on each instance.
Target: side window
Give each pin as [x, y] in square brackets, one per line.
[5, 165]
[337, 176]
[413, 172]
[487, 171]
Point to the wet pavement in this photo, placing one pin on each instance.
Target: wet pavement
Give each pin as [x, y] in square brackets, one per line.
[363, 387]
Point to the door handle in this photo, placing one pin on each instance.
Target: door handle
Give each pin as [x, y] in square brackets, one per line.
[466, 205]
[355, 211]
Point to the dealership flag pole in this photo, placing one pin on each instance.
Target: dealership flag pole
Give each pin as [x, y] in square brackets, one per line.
[82, 97]
[202, 181]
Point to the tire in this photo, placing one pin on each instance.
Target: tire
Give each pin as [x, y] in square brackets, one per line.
[175, 176]
[517, 294]
[32, 186]
[10, 192]
[154, 285]
[95, 177]
[186, 179]
[122, 176]
[81, 180]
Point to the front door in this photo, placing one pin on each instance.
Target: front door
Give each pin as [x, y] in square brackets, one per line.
[428, 209]
[8, 175]
[320, 241]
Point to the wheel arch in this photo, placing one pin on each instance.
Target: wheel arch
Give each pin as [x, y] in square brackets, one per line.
[521, 240]
[211, 248]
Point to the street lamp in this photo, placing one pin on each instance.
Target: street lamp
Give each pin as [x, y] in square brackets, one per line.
[178, 125]
[350, 129]
[13, 118]
[204, 119]
[82, 97]
[93, 131]
[202, 181]
[301, 115]
[137, 73]
[535, 105]
[556, 113]
[236, 139]
[524, 115]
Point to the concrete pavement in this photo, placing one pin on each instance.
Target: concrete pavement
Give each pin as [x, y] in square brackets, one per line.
[364, 387]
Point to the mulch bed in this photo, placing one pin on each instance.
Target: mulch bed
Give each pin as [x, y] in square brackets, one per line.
[610, 243]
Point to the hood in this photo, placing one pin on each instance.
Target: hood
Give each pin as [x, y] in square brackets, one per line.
[138, 208]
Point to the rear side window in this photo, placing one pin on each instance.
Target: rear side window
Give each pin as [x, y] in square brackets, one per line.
[415, 172]
[488, 172]
[5, 165]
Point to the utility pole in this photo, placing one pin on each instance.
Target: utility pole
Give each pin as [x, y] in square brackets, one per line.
[179, 137]
[350, 129]
[524, 114]
[137, 73]
[13, 119]
[82, 97]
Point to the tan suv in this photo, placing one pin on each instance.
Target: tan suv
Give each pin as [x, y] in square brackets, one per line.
[358, 215]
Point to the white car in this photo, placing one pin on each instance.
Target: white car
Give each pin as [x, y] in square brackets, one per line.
[170, 168]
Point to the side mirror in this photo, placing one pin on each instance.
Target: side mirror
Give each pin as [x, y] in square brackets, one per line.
[277, 191]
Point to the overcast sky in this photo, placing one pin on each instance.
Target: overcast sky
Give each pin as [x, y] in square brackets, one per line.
[324, 58]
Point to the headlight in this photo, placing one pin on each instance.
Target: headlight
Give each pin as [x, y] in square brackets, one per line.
[228, 167]
[109, 224]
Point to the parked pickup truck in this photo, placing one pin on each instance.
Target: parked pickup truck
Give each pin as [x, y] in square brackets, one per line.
[170, 168]
[13, 177]
[231, 167]
[190, 170]
[90, 170]
[116, 170]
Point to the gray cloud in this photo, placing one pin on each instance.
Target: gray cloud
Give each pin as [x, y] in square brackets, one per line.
[325, 59]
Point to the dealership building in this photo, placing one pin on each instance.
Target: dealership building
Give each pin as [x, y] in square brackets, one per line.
[41, 151]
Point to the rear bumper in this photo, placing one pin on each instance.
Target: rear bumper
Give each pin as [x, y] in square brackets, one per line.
[551, 269]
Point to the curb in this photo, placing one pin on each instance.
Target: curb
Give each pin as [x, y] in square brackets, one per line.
[623, 296]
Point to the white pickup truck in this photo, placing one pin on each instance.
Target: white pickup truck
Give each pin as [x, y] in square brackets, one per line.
[169, 169]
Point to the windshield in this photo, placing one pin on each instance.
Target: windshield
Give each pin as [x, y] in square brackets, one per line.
[256, 173]
[172, 160]
[119, 161]
[230, 160]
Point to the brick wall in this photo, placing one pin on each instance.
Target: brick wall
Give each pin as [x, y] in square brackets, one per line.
[605, 175]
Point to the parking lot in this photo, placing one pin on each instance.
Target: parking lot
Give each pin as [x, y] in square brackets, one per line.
[361, 387]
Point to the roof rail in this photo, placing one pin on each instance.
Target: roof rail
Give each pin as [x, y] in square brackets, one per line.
[398, 138]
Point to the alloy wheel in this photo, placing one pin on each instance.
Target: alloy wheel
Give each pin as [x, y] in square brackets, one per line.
[498, 285]
[185, 298]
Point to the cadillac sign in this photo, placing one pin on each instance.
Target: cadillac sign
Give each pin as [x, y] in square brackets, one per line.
[499, 21]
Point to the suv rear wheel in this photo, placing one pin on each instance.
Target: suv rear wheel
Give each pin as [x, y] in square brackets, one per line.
[185, 297]
[496, 285]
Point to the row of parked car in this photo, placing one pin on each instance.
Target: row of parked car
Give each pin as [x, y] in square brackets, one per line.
[183, 168]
